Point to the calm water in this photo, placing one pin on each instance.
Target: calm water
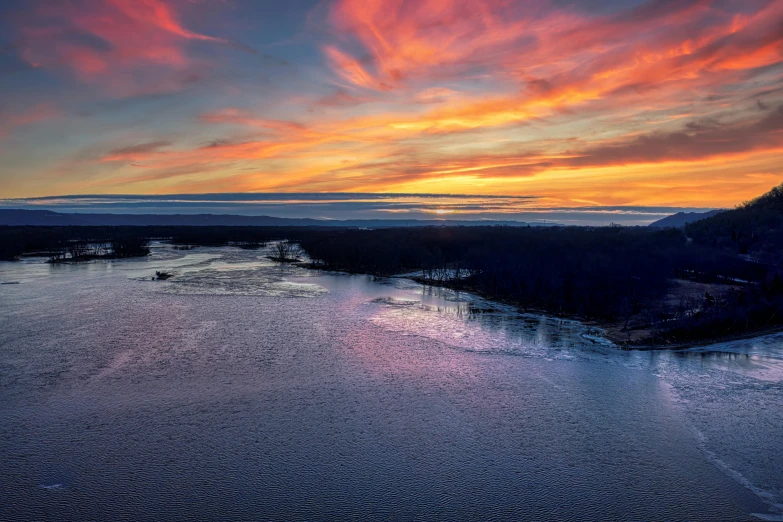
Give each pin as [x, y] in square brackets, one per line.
[242, 390]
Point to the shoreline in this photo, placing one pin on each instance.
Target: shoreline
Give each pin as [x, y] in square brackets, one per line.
[685, 345]
[606, 327]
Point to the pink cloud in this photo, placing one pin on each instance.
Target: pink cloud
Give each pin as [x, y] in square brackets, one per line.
[20, 118]
[118, 44]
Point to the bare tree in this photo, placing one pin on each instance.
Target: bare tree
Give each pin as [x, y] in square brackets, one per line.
[286, 252]
[129, 247]
[78, 249]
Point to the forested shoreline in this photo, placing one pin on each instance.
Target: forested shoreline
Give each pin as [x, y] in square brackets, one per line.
[629, 280]
[617, 277]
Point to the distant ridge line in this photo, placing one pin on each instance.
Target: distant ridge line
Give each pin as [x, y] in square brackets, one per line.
[25, 217]
[680, 219]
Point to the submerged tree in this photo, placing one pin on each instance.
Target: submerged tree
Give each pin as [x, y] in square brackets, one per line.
[286, 252]
[130, 246]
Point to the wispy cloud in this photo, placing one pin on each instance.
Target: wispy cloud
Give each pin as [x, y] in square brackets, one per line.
[20, 117]
[127, 47]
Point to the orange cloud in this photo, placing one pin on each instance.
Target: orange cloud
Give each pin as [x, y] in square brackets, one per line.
[136, 152]
[546, 61]
[556, 54]
[406, 39]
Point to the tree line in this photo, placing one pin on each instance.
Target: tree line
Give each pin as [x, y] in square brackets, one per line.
[620, 274]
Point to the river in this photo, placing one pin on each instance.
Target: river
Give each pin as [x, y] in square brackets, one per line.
[245, 390]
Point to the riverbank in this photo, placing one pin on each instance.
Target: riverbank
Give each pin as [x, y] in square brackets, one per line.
[647, 338]
[645, 344]
[87, 258]
[646, 289]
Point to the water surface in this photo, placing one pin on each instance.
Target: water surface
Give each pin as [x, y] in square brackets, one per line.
[245, 390]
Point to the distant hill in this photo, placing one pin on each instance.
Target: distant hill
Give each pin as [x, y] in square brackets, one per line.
[21, 217]
[49, 218]
[680, 219]
[754, 228]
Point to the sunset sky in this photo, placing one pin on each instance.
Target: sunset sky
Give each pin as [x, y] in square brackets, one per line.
[614, 104]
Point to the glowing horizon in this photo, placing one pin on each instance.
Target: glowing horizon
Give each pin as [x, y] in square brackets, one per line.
[352, 206]
[621, 104]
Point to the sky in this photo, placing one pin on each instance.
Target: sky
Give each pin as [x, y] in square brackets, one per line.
[617, 106]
